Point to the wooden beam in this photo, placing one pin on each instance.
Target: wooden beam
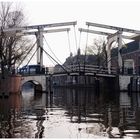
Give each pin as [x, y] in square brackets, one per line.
[113, 27]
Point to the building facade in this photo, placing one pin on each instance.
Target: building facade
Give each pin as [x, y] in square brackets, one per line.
[130, 56]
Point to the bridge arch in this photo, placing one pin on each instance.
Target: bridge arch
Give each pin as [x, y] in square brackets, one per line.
[36, 85]
[39, 81]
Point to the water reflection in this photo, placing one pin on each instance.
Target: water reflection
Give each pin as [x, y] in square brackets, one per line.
[9, 114]
[83, 106]
[129, 115]
[34, 109]
[70, 113]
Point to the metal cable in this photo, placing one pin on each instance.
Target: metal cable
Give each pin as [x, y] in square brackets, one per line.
[75, 37]
[55, 60]
[51, 60]
[71, 62]
[79, 48]
[69, 42]
[60, 63]
[32, 56]
[86, 49]
[26, 55]
[52, 51]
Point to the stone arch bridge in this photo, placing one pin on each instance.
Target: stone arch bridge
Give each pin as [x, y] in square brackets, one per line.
[38, 80]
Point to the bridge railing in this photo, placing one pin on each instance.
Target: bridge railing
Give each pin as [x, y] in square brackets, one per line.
[86, 69]
[32, 70]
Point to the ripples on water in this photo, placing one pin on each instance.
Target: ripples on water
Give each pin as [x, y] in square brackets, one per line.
[70, 113]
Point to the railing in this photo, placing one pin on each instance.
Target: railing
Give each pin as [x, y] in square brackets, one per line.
[86, 69]
[26, 72]
[71, 69]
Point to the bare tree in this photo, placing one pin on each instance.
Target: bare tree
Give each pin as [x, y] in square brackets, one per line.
[99, 50]
[12, 47]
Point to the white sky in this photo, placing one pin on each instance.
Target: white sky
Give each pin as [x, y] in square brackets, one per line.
[123, 13]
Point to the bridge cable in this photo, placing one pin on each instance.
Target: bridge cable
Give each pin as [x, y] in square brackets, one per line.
[79, 48]
[60, 63]
[32, 56]
[26, 55]
[71, 62]
[69, 42]
[80, 39]
[51, 50]
[55, 60]
[75, 36]
[51, 61]
[86, 49]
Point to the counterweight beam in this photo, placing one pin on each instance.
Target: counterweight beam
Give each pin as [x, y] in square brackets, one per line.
[113, 27]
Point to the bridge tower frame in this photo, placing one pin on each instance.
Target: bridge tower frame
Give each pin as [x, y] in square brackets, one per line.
[39, 37]
[39, 30]
[112, 37]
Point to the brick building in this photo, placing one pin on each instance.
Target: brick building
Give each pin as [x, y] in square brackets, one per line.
[130, 53]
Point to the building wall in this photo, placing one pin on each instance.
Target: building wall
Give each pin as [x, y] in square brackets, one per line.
[132, 55]
[136, 57]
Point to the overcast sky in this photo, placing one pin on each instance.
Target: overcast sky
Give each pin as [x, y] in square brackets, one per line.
[123, 13]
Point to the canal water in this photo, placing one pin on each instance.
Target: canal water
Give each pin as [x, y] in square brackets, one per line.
[70, 113]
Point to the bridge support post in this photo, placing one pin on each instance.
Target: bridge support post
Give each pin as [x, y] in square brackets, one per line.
[49, 84]
[39, 37]
[115, 37]
[119, 52]
[109, 57]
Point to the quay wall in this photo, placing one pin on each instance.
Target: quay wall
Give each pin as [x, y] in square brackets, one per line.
[124, 81]
[10, 84]
[100, 84]
[129, 83]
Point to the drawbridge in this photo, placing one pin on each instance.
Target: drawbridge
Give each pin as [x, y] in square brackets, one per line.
[74, 69]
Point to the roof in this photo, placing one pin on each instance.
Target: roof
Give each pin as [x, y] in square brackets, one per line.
[127, 48]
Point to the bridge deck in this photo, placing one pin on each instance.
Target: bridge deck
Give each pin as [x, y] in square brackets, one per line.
[86, 74]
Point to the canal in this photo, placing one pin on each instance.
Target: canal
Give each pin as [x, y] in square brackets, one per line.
[70, 113]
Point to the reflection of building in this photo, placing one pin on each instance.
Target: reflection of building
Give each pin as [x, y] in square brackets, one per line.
[9, 115]
[128, 118]
[129, 115]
